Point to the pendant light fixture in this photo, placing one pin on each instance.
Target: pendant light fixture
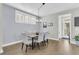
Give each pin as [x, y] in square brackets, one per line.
[39, 10]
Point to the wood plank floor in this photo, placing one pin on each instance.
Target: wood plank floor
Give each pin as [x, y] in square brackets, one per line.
[61, 47]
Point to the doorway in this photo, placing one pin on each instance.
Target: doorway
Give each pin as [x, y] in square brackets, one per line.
[64, 27]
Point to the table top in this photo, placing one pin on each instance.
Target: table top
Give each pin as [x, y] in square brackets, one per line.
[32, 35]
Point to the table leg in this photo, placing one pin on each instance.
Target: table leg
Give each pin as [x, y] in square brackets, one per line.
[32, 44]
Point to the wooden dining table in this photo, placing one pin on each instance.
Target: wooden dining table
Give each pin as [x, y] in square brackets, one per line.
[33, 38]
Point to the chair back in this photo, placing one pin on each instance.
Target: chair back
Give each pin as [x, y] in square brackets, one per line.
[40, 37]
[45, 35]
[37, 33]
[25, 38]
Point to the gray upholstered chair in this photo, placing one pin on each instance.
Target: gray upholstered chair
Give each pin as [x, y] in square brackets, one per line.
[26, 41]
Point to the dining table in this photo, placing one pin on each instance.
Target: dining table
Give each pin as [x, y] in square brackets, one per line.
[33, 38]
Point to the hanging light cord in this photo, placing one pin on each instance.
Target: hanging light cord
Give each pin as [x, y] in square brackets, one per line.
[40, 8]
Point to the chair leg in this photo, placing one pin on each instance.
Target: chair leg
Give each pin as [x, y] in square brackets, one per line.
[22, 45]
[44, 43]
[38, 44]
[26, 48]
[47, 40]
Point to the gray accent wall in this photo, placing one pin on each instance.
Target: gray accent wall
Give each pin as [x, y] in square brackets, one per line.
[13, 30]
[1, 28]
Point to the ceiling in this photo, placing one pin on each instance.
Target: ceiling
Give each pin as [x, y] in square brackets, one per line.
[48, 8]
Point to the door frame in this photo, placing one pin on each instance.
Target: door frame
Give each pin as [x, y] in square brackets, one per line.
[60, 25]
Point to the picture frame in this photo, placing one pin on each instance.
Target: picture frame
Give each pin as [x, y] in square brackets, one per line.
[50, 24]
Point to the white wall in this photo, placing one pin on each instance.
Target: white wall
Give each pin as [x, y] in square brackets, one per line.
[1, 28]
[76, 30]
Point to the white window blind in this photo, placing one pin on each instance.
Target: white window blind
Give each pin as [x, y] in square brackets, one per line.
[21, 17]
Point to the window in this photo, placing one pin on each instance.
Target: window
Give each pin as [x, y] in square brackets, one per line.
[32, 20]
[26, 19]
[21, 17]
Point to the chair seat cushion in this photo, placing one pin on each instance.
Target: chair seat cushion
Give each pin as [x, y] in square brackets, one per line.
[27, 42]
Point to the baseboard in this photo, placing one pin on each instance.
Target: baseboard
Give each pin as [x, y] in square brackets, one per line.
[12, 43]
[72, 42]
